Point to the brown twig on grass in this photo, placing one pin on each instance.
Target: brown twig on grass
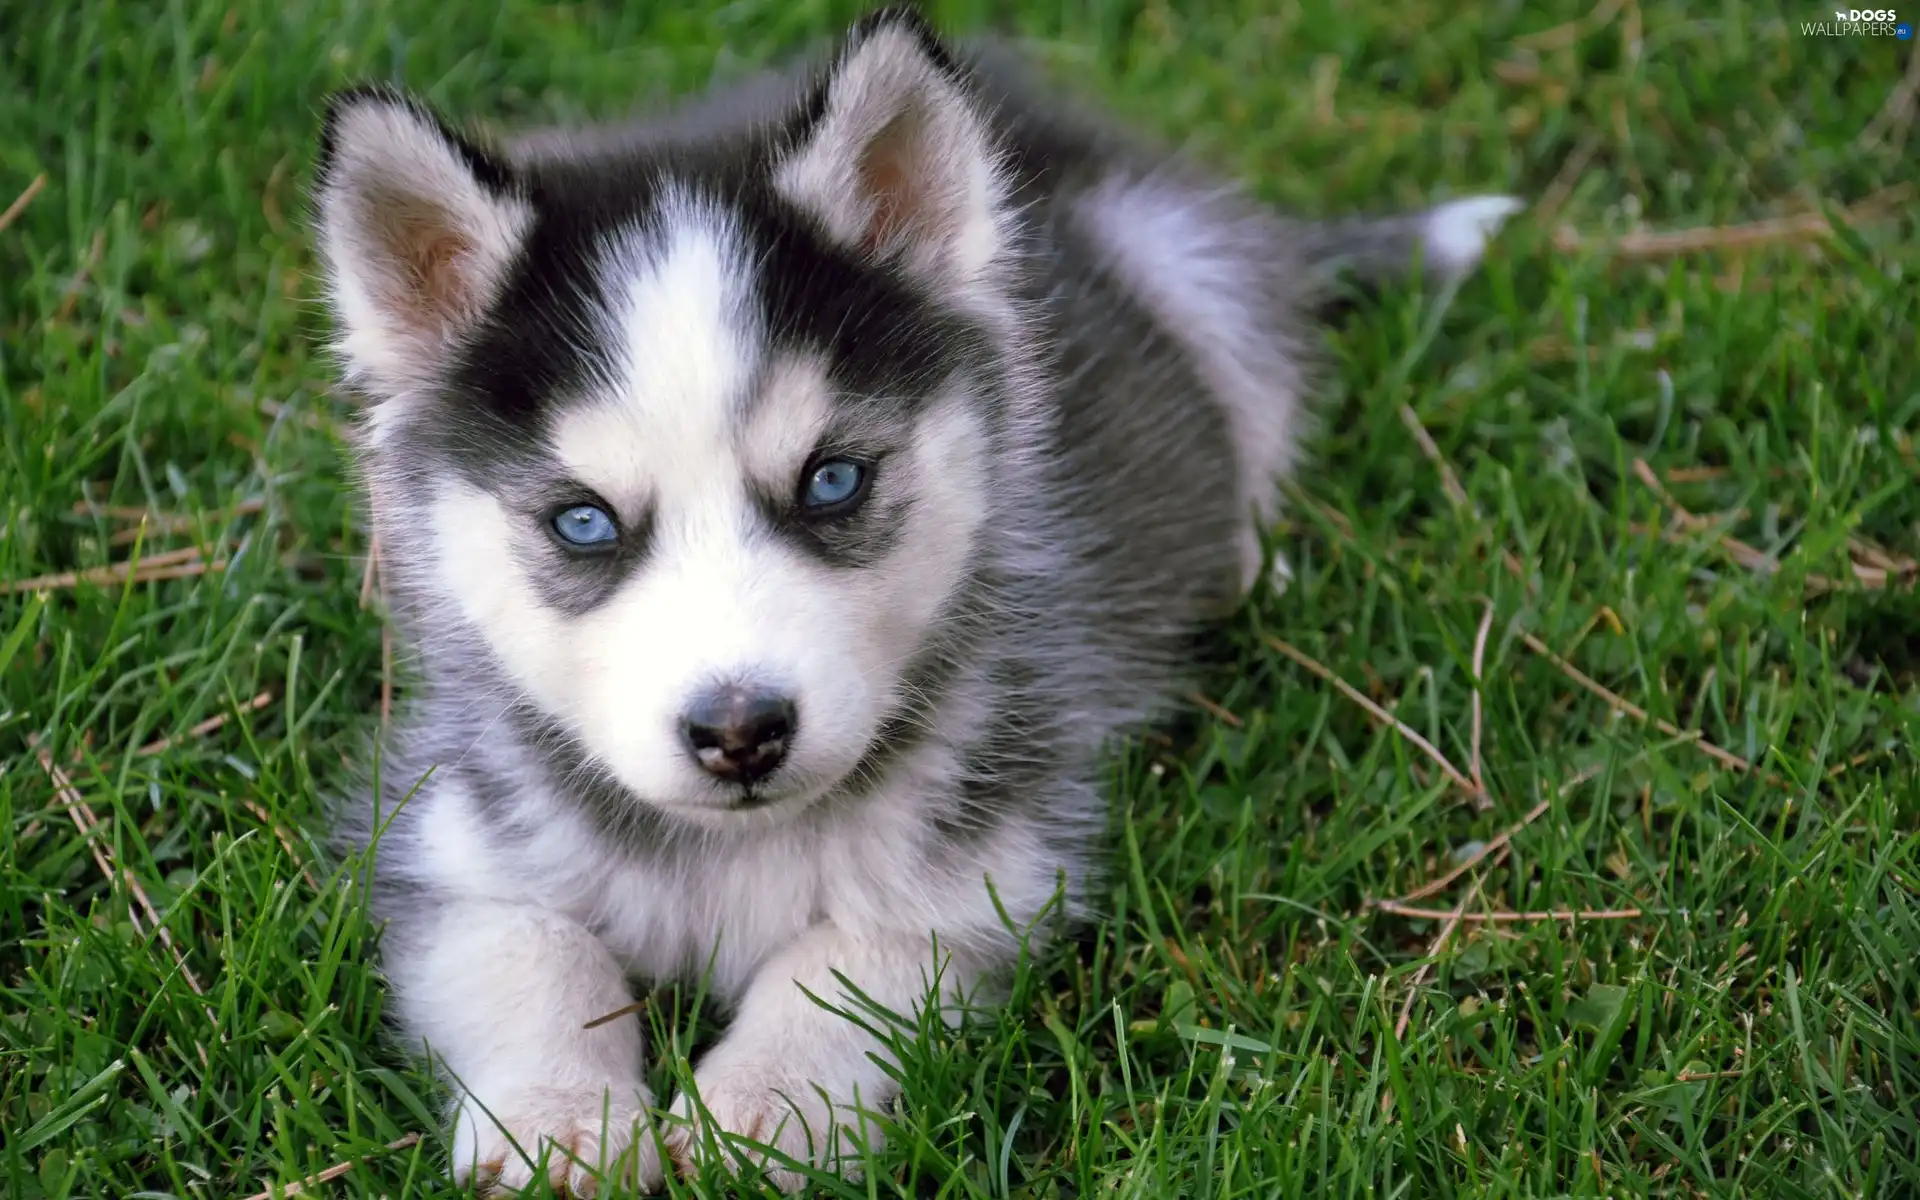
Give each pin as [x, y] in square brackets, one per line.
[1648, 244]
[1440, 885]
[1874, 556]
[1895, 116]
[112, 512]
[1503, 917]
[1881, 572]
[1215, 709]
[1497, 845]
[1401, 727]
[1437, 948]
[171, 564]
[333, 1172]
[1479, 669]
[162, 745]
[21, 201]
[373, 581]
[1560, 189]
[616, 1014]
[1622, 704]
[169, 524]
[1449, 482]
[1562, 36]
[1703, 1076]
[88, 823]
[1695, 474]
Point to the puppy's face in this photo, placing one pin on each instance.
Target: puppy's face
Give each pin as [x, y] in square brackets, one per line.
[695, 444]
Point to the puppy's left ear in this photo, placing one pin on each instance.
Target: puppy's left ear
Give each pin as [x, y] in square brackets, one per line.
[417, 228]
[896, 160]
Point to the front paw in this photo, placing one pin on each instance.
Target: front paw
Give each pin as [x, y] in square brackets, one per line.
[764, 1104]
[587, 1135]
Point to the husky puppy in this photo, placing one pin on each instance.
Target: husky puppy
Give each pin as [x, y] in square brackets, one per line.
[784, 503]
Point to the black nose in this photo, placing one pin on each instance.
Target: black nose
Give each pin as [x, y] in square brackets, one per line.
[739, 734]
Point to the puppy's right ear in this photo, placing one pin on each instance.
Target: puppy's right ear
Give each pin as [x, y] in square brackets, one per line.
[417, 230]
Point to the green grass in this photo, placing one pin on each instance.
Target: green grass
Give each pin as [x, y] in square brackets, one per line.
[1230, 1028]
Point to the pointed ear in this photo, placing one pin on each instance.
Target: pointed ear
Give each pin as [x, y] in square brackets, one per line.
[417, 228]
[895, 159]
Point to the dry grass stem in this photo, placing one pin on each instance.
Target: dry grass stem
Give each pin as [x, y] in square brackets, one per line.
[1449, 482]
[286, 839]
[91, 832]
[1218, 712]
[1561, 37]
[1499, 842]
[21, 201]
[1560, 189]
[162, 745]
[333, 1172]
[170, 564]
[1380, 714]
[1497, 845]
[1651, 244]
[1889, 126]
[616, 1014]
[1880, 570]
[169, 524]
[1479, 669]
[1436, 949]
[1503, 917]
[1622, 704]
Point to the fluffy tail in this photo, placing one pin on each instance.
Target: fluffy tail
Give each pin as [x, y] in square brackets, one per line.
[1443, 244]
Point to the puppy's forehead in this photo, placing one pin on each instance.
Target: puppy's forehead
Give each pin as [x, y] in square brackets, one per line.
[664, 330]
[682, 344]
[711, 366]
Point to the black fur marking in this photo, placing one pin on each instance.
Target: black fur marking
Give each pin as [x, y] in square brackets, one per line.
[543, 344]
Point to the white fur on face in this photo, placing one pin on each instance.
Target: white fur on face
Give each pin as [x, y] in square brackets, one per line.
[719, 597]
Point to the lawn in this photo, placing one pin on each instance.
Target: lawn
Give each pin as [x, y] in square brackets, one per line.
[1636, 913]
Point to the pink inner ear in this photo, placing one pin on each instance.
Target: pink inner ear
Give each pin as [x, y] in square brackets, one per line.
[430, 288]
[895, 176]
[440, 274]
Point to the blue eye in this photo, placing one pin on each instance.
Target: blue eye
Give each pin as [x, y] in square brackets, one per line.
[586, 526]
[834, 481]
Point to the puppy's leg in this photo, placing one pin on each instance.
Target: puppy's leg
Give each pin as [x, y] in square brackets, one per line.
[502, 994]
[795, 1076]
